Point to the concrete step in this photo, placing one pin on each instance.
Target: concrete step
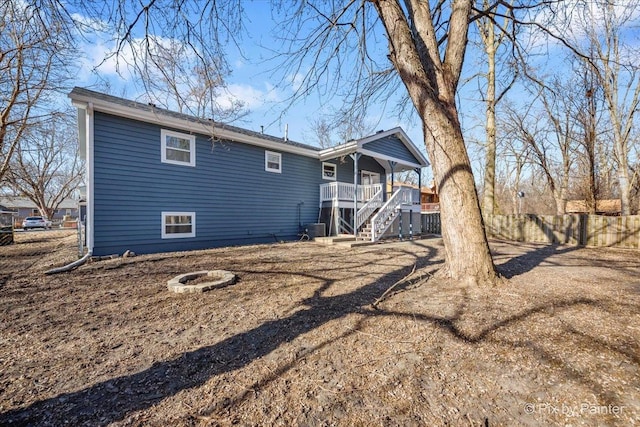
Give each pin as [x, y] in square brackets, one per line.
[332, 240]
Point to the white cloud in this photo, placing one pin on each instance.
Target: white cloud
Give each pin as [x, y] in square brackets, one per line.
[94, 25]
[252, 97]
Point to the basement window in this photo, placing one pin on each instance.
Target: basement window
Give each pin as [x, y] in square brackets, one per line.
[177, 225]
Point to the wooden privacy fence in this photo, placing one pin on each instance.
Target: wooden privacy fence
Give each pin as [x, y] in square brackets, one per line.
[589, 230]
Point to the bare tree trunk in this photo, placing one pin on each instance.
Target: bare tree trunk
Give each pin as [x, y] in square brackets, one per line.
[431, 81]
[488, 200]
[466, 248]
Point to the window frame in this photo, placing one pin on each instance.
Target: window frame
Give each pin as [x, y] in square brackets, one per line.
[335, 171]
[266, 161]
[166, 235]
[164, 133]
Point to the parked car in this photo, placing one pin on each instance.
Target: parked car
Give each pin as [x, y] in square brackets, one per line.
[36, 222]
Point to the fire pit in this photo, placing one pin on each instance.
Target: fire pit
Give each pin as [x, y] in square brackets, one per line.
[201, 281]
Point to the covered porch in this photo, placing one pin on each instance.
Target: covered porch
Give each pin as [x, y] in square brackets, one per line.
[362, 200]
[346, 194]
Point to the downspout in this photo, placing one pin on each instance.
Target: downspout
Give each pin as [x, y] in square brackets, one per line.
[71, 266]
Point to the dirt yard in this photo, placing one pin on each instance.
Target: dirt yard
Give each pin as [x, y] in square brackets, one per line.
[298, 339]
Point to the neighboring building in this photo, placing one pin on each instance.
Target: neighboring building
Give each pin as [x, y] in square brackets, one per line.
[23, 207]
[429, 199]
[610, 207]
[162, 181]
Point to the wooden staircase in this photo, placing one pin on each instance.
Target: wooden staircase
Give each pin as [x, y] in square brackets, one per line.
[366, 232]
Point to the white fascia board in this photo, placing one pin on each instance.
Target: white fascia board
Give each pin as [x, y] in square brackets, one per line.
[187, 125]
[339, 150]
[82, 132]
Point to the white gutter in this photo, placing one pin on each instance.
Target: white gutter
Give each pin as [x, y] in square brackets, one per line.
[188, 125]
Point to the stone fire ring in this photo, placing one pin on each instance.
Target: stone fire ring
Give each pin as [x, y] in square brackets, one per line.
[220, 279]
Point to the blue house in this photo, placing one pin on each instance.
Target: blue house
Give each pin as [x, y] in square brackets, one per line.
[160, 181]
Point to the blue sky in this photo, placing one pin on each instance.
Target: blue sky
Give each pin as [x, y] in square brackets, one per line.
[265, 94]
[251, 81]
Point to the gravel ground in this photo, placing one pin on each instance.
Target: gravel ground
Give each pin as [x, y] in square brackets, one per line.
[303, 338]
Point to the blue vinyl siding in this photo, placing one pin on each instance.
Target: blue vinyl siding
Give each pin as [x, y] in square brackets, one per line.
[345, 168]
[235, 200]
[392, 147]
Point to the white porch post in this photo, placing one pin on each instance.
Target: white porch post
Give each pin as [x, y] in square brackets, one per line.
[355, 157]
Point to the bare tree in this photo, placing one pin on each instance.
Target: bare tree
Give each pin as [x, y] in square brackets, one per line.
[175, 78]
[596, 35]
[338, 127]
[493, 37]
[550, 132]
[515, 156]
[588, 109]
[46, 168]
[426, 43]
[35, 48]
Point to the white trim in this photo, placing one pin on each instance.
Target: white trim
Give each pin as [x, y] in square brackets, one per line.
[357, 146]
[338, 150]
[335, 171]
[164, 133]
[266, 161]
[197, 126]
[89, 229]
[166, 235]
[194, 126]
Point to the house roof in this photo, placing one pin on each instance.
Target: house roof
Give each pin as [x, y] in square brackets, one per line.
[82, 97]
[604, 205]
[16, 202]
[358, 145]
[87, 99]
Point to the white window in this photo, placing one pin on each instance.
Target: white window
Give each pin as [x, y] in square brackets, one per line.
[329, 171]
[178, 148]
[272, 162]
[369, 178]
[178, 224]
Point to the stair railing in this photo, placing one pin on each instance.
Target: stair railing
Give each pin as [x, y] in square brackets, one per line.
[382, 220]
[369, 208]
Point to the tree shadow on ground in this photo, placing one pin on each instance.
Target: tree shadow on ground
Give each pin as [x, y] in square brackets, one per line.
[521, 264]
[112, 400]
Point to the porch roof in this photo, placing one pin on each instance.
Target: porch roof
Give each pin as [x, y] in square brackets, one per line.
[360, 146]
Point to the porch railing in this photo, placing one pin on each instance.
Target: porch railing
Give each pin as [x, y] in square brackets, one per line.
[345, 191]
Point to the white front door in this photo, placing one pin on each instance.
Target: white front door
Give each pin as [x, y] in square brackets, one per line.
[369, 178]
